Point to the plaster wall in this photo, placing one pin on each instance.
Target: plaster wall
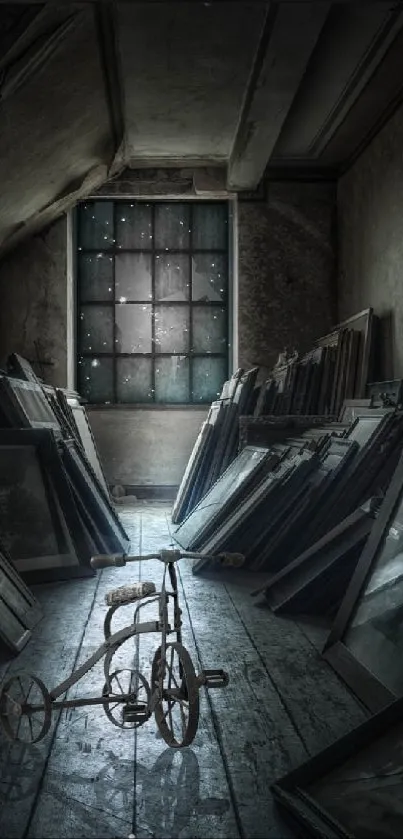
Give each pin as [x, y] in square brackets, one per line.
[145, 447]
[370, 225]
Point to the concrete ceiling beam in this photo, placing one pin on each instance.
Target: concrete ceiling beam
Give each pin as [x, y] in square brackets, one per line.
[289, 36]
[106, 28]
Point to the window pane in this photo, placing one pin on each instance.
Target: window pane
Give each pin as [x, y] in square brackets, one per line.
[172, 277]
[133, 328]
[134, 380]
[172, 226]
[95, 277]
[209, 276]
[95, 225]
[134, 226]
[209, 374]
[133, 276]
[95, 379]
[209, 329]
[96, 329]
[210, 226]
[172, 379]
[171, 329]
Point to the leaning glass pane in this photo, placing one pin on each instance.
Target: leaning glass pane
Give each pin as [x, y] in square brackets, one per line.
[95, 277]
[172, 379]
[209, 329]
[95, 379]
[134, 380]
[132, 328]
[95, 225]
[171, 329]
[209, 375]
[95, 332]
[210, 226]
[134, 226]
[209, 277]
[375, 633]
[172, 226]
[133, 277]
[172, 277]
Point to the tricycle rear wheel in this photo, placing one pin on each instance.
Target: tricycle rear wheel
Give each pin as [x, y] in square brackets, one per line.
[25, 708]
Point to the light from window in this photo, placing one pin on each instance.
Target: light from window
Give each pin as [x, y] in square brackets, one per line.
[152, 282]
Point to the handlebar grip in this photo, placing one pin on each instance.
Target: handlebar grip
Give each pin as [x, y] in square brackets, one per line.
[108, 560]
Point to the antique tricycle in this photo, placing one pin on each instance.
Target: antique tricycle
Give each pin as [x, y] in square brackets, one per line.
[128, 698]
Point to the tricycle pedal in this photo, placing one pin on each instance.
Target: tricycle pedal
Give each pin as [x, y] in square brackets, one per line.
[214, 679]
[135, 713]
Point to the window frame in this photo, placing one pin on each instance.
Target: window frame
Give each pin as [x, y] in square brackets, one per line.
[73, 303]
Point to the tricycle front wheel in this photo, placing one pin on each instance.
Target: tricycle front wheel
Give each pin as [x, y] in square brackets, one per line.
[177, 709]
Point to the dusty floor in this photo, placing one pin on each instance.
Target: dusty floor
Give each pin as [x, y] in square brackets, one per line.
[88, 778]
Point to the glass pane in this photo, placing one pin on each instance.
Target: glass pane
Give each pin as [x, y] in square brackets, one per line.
[209, 329]
[95, 274]
[237, 475]
[375, 635]
[209, 374]
[365, 792]
[95, 379]
[134, 380]
[172, 226]
[133, 277]
[134, 226]
[95, 225]
[172, 379]
[171, 329]
[27, 529]
[210, 226]
[133, 328]
[96, 329]
[172, 277]
[209, 277]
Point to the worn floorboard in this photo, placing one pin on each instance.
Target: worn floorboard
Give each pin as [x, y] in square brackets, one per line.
[90, 779]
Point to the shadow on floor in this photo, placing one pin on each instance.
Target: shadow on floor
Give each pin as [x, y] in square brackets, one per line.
[170, 790]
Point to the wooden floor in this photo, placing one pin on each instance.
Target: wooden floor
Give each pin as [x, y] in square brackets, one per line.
[90, 779]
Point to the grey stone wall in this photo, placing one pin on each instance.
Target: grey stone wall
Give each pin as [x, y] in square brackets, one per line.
[33, 302]
[286, 270]
[370, 222]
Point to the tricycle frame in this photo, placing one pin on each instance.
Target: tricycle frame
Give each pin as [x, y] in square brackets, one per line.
[167, 691]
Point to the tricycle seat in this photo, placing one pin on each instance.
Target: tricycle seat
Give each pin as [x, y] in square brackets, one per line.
[129, 594]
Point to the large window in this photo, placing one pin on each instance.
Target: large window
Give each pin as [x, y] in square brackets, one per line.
[152, 301]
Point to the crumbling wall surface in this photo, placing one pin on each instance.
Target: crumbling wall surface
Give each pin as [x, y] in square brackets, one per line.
[286, 270]
[145, 447]
[33, 302]
[370, 223]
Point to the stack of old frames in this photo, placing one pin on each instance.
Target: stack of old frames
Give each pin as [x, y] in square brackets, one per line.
[217, 442]
[349, 467]
[354, 787]
[337, 368]
[319, 567]
[19, 609]
[54, 511]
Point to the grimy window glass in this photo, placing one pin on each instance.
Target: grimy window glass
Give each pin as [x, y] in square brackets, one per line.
[152, 295]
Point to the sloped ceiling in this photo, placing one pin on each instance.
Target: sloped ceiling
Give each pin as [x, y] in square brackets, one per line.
[89, 88]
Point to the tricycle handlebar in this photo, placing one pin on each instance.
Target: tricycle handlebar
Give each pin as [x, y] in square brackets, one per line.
[166, 556]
